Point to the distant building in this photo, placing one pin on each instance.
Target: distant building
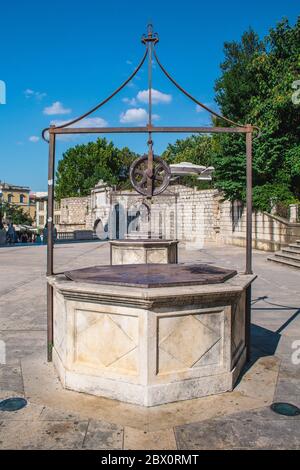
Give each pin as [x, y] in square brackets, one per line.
[19, 196]
[41, 200]
[34, 203]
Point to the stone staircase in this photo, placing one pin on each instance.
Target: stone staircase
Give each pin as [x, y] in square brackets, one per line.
[289, 255]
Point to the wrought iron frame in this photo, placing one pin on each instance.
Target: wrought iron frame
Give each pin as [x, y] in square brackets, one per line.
[150, 40]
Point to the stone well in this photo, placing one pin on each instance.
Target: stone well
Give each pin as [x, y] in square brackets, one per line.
[147, 335]
[143, 251]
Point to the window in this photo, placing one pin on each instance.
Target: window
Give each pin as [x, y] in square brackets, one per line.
[22, 198]
[56, 219]
[10, 198]
[41, 220]
[40, 206]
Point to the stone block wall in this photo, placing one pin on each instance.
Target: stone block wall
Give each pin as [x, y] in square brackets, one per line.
[74, 213]
[197, 214]
[183, 213]
[270, 232]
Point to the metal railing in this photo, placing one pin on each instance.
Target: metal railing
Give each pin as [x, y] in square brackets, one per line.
[65, 235]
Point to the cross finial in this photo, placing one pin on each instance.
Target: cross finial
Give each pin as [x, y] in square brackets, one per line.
[150, 36]
[150, 29]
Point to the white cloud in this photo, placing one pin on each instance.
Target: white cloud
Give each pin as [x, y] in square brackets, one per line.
[137, 115]
[56, 108]
[87, 122]
[130, 101]
[33, 138]
[91, 122]
[157, 96]
[29, 93]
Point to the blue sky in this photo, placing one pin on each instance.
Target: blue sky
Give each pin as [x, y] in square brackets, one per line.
[59, 59]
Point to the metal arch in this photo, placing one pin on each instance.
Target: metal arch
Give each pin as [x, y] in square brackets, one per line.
[103, 101]
[191, 97]
[186, 93]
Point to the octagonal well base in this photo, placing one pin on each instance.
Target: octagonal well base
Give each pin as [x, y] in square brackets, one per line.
[149, 346]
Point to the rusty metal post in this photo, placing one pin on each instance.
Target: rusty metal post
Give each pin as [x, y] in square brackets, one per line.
[248, 324]
[50, 242]
[150, 142]
[248, 241]
[249, 202]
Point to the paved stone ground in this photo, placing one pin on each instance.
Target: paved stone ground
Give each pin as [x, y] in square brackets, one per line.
[56, 418]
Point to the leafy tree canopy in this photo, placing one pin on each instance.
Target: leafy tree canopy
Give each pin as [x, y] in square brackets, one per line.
[15, 214]
[256, 87]
[84, 165]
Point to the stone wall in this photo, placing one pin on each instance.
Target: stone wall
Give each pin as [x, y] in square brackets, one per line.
[270, 232]
[183, 213]
[74, 213]
[198, 214]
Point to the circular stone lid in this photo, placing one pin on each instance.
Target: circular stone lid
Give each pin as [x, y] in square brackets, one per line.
[152, 275]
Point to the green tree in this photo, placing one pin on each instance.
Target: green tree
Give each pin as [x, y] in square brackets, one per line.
[84, 165]
[15, 214]
[256, 87]
[236, 86]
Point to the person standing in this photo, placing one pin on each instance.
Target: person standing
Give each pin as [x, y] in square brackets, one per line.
[11, 234]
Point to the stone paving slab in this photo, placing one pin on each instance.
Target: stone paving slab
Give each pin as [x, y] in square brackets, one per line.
[34, 434]
[103, 436]
[31, 412]
[240, 431]
[11, 378]
[288, 390]
[135, 439]
[20, 344]
[259, 381]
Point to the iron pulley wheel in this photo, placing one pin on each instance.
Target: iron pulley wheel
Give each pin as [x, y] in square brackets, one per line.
[140, 175]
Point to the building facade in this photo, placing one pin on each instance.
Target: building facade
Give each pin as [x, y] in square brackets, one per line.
[19, 196]
[41, 201]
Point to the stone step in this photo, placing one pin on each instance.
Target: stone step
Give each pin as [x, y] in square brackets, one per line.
[294, 247]
[289, 251]
[286, 262]
[288, 257]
